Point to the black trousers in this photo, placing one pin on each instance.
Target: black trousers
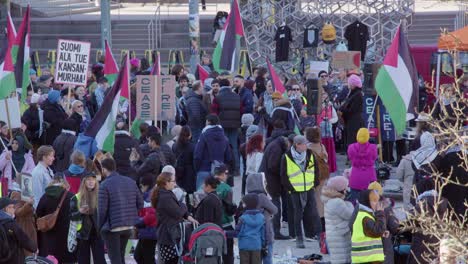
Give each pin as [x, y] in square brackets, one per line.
[145, 251]
[95, 245]
[229, 257]
[116, 243]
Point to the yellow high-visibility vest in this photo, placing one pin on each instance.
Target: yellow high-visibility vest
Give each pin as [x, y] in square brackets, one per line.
[363, 248]
[78, 200]
[302, 181]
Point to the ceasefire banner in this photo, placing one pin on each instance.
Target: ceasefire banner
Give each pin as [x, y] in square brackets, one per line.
[156, 98]
[72, 62]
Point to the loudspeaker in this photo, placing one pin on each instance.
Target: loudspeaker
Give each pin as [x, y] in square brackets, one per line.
[314, 97]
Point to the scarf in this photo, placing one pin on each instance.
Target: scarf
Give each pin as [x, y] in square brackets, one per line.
[75, 169]
[299, 158]
[210, 126]
[268, 102]
[427, 152]
[18, 156]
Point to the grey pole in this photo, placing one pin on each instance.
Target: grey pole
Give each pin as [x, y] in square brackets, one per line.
[105, 23]
[194, 33]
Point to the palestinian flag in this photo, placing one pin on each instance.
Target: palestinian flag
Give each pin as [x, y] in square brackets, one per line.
[397, 81]
[100, 133]
[224, 53]
[21, 53]
[202, 74]
[135, 129]
[156, 70]
[11, 30]
[7, 68]
[275, 80]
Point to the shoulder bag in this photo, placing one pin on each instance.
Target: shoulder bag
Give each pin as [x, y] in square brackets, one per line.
[47, 222]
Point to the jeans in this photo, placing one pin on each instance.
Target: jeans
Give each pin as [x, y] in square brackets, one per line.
[201, 176]
[116, 243]
[232, 135]
[196, 132]
[305, 209]
[94, 244]
[250, 257]
[268, 259]
[145, 251]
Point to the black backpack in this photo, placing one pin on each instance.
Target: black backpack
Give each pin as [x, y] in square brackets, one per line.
[6, 242]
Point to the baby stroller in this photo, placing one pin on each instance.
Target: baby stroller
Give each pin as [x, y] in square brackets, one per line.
[207, 245]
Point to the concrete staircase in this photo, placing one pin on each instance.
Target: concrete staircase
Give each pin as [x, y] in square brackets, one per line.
[55, 8]
[426, 27]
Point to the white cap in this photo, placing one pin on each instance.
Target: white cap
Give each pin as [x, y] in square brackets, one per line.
[35, 98]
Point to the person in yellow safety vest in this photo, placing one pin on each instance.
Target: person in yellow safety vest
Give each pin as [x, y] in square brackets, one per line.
[299, 175]
[368, 229]
[83, 210]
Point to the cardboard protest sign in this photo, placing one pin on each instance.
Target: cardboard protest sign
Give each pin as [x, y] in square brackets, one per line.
[166, 98]
[146, 96]
[346, 60]
[14, 117]
[318, 66]
[72, 62]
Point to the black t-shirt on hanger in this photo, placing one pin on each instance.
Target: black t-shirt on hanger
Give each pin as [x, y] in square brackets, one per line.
[283, 37]
[311, 35]
[357, 35]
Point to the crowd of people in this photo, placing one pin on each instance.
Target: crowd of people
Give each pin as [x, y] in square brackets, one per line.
[158, 190]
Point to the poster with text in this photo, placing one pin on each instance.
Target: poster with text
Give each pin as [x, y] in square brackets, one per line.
[14, 117]
[146, 96]
[166, 98]
[72, 62]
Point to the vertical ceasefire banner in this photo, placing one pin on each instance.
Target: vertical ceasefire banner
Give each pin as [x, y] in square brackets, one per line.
[166, 98]
[72, 62]
[146, 97]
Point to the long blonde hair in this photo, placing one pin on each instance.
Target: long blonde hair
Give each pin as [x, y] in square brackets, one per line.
[87, 197]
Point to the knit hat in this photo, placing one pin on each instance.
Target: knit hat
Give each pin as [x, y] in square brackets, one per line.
[251, 130]
[32, 72]
[44, 78]
[247, 119]
[354, 81]
[175, 131]
[376, 187]
[250, 201]
[168, 169]
[276, 95]
[53, 96]
[35, 98]
[135, 62]
[363, 135]
[338, 183]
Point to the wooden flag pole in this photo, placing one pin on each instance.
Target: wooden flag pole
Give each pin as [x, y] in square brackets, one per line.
[69, 98]
[8, 119]
[379, 137]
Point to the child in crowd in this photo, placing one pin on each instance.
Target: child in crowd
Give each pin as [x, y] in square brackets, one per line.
[251, 231]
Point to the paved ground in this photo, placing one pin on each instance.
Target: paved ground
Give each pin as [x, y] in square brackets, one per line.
[282, 248]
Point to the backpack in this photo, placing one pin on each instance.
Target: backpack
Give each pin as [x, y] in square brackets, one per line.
[6, 242]
[322, 163]
[207, 245]
[328, 33]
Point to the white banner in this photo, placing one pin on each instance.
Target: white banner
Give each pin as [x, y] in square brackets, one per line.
[72, 62]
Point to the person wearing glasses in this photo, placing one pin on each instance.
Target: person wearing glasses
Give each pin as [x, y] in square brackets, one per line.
[77, 115]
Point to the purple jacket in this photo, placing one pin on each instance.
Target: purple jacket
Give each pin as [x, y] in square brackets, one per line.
[362, 157]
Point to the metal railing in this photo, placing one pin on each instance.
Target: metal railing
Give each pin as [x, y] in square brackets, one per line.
[154, 30]
[461, 19]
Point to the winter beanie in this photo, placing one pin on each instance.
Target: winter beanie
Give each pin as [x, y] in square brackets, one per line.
[363, 135]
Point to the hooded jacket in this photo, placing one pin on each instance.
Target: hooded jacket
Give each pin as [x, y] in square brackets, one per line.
[338, 213]
[255, 185]
[196, 111]
[31, 119]
[210, 210]
[54, 115]
[362, 157]
[280, 112]
[247, 101]
[63, 146]
[251, 230]
[122, 150]
[54, 241]
[271, 165]
[18, 240]
[212, 145]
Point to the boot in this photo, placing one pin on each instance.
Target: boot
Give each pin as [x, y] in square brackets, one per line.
[300, 243]
[280, 236]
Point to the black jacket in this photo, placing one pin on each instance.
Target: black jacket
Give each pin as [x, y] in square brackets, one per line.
[352, 114]
[31, 119]
[196, 111]
[63, 146]
[185, 172]
[229, 104]
[88, 222]
[271, 165]
[455, 194]
[151, 166]
[210, 210]
[284, 175]
[18, 240]
[276, 133]
[122, 150]
[77, 118]
[54, 115]
[54, 241]
[169, 213]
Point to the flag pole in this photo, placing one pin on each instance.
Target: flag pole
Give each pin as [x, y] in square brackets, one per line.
[8, 119]
[379, 135]
[129, 102]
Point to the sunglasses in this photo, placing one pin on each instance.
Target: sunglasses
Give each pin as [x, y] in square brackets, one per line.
[323, 76]
[295, 89]
[79, 106]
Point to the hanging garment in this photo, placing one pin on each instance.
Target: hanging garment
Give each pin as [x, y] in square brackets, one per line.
[311, 35]
[283, 37]
[357, 35]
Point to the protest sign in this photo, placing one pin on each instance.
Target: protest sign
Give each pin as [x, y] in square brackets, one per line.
[317, 66]
[12, 116]
[166, 98]
[72, 62]
[146, 96]
[346, 60]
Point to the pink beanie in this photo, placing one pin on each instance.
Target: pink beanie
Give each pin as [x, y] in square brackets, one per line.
[354, 81]
[337, 183]
[135, 62]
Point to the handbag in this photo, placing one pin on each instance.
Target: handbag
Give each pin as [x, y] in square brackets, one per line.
[72, 233]
[47, 222]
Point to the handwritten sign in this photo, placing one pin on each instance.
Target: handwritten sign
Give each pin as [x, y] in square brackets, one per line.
[346, 60]
[156, 99]
[72, 62]
[166, 98]
[146, 96]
